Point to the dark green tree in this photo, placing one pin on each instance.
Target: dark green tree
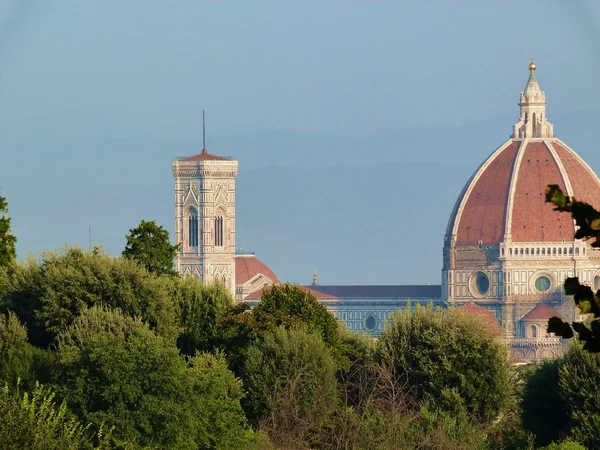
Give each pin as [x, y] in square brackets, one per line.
[115, 370]
[543, 409]
[150, 246]
[8, 252]
[20, 362]
[447, 359]
[200, 308]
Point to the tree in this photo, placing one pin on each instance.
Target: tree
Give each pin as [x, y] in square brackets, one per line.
[578, 380]
[448, 360]
[543, 410]
[587, 220]
[34, 421]
[115, 370]
[287, 305]
[149, 245]
[47, 295]
[8, 252]
[290, 378]
[20, 362]
[200, 308]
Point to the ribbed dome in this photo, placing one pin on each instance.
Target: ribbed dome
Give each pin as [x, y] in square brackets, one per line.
[505, 198]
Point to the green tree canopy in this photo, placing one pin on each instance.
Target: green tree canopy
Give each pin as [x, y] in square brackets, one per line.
[578, 380]
[543, 409]
[201, 308]
[291, 383]
[19, 360]
[8, 252]
[49, 294]
[448, 360]
[34, 421]
[287, 305]
[150, 246]
[114, 370]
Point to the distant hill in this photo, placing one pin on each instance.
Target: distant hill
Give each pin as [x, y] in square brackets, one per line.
[361, 209]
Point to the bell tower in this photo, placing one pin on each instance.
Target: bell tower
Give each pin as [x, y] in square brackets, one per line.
[205, 217]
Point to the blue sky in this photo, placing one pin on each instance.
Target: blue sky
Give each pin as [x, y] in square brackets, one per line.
[74, 72]
[151, 66]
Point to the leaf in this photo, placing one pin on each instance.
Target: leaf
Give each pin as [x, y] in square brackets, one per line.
[571, 285]
[585, 334]
[560, 328]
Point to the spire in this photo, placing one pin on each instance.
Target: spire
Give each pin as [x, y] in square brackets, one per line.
[533, 122]
[315, 278]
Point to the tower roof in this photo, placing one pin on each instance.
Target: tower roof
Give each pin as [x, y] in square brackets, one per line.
[205, 156]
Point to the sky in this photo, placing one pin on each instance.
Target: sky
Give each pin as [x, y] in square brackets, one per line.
[74, 72]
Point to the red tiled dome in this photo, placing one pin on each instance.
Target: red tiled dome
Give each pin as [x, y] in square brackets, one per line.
[484, 315]
[248, 266]
[506, 195]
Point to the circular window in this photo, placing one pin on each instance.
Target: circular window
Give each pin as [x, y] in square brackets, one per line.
[370, 322]
[542, 284]
[479, 284]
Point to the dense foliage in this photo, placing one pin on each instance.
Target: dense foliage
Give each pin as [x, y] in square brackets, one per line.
[130, 358]
[292, 389]
[149, 245]
[34, 421]
[8, 251]
[448, 360]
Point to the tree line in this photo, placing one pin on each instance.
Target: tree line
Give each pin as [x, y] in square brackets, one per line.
[100, 352]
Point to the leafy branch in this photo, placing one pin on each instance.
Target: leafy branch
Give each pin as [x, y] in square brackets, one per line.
[587, 219]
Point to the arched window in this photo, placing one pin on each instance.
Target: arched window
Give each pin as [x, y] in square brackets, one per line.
[193, 228]
[577, 251]
[224, 281]
[219, 231]
[560, 251]
[534, 331]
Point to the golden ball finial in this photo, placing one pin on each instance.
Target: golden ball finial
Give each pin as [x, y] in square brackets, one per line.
[532, 66]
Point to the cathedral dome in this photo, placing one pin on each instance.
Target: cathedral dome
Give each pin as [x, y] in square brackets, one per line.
[505, 199]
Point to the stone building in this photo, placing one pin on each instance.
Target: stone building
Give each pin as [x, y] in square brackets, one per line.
[506, 253]
[505, 248]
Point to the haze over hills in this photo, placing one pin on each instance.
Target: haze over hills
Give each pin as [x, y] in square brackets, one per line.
[298, 200]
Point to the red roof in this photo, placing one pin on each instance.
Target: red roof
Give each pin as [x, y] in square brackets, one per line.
[248, 266]
[319, 295]
[521, 170]
[487, 317]
[541, 311]
[205, 156]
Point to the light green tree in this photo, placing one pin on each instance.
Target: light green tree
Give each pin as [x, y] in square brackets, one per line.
[149, 245]
[115, 370]
[47, 295]
[447, 359]
[34, 421]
